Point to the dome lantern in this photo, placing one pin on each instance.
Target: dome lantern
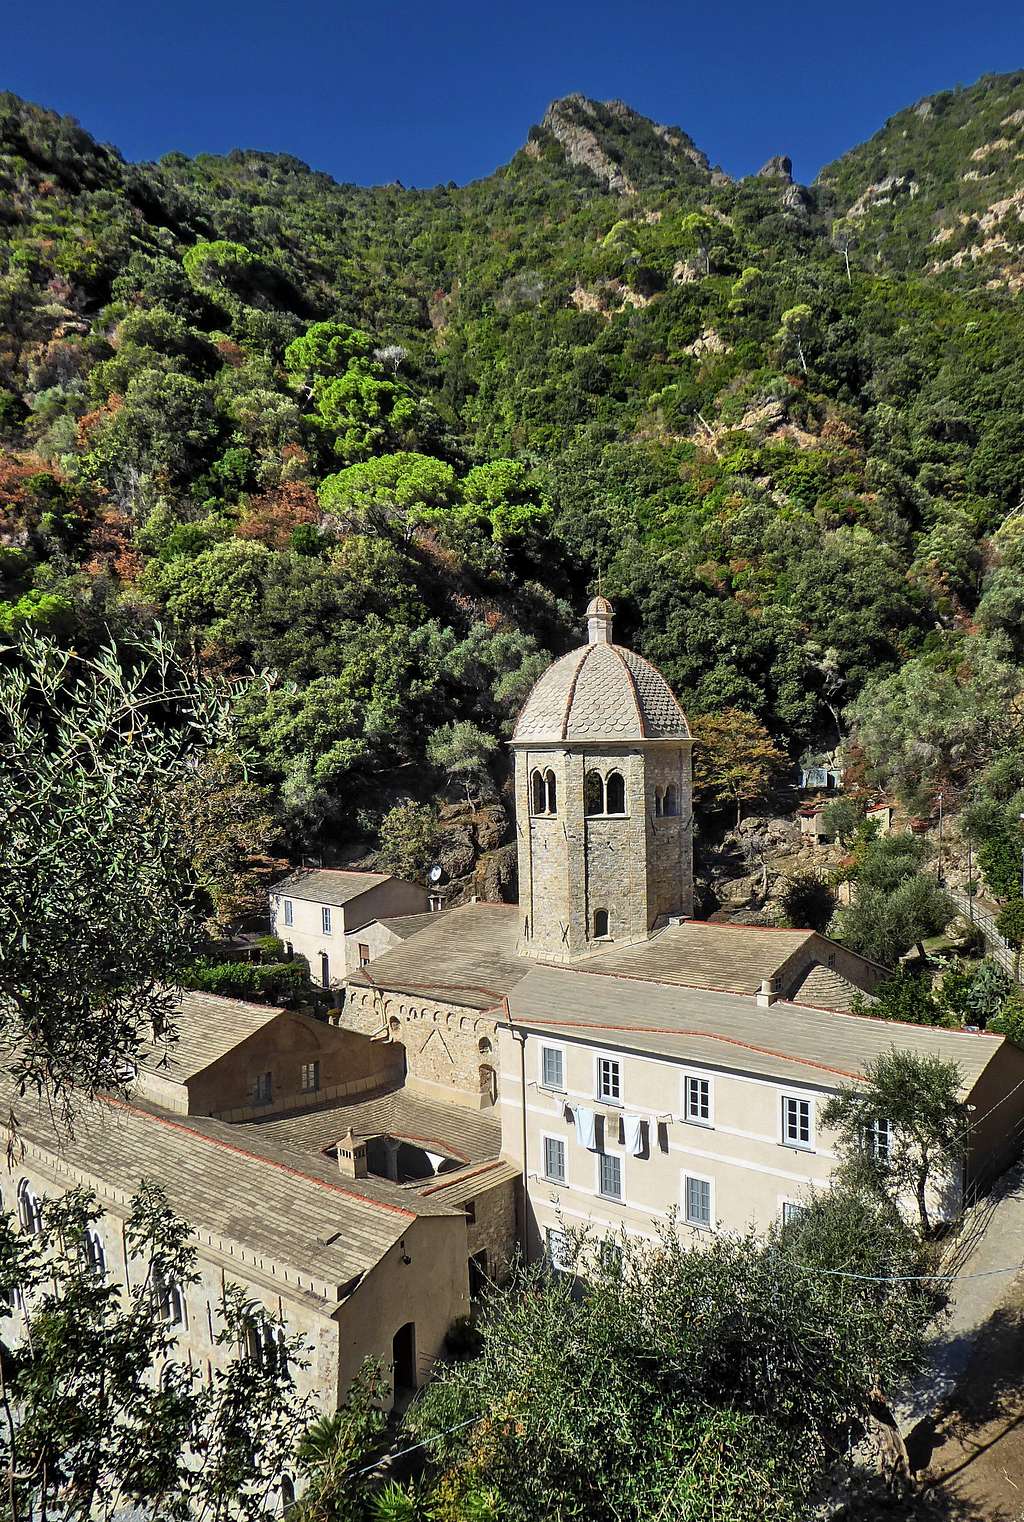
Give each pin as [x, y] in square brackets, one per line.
[600, 614]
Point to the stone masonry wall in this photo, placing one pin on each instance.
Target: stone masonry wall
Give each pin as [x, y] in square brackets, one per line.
[495, 1229]
[449, 1048]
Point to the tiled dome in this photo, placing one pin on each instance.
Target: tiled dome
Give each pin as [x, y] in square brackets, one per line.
[600, 692]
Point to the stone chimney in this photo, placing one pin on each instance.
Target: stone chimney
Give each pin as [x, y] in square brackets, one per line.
[768, 992]
[351, 1155]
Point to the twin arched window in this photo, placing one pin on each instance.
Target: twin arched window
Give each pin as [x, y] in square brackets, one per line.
[94, 1254]
[543, 793]
[666, 801]
[604, 795]
[169, 1297]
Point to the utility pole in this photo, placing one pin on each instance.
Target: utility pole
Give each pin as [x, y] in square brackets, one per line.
[938, 867]
[1021, 818]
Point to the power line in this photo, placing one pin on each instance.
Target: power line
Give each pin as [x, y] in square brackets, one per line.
[840, 1273]
[424, 1444]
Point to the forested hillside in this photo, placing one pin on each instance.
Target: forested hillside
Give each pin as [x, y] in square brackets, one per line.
[379, 444]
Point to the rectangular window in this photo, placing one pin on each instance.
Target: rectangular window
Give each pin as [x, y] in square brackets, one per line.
[552, 1073]
[878, 1140]
[697, 1201]
[796, 1122]
[792, 1210]
[325, 920]
[554, 1159]
[697, 1102]
[310, 1077]
[557, 1249]
[609, 1081]
[609, 1257]
[289, 914]
[364, 955]
[610, 1176]
[264, 1088]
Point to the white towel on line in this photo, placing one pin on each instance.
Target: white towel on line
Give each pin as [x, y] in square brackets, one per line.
[585, 1128]
[633, 1128]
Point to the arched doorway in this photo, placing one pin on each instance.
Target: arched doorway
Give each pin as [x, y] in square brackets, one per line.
[403, 1356]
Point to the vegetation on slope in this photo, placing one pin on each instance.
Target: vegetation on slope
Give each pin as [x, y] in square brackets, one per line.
[799, 481]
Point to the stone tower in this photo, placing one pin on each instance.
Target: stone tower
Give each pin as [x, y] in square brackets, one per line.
[604, 815]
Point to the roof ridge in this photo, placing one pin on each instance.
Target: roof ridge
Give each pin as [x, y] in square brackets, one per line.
[631, 682]
[256, 1157]
[570, 696]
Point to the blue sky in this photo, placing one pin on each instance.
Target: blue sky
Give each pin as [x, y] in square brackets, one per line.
[426, 92]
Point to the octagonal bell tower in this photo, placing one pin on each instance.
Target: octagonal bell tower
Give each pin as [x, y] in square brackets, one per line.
[604, 817]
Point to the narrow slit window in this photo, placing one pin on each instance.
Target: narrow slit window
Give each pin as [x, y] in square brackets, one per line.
[551, 792]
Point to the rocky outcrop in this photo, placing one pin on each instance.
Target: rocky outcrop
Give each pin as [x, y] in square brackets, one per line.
[797, 200]
[779, 167]
[883, 193]
[622, 149]
[581, 144]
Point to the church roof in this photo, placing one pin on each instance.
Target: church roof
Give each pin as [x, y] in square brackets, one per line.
[466, 956]
[600, 692]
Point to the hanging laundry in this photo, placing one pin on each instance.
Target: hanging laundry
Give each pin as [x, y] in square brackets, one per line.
[586, 1130]
[633, 1131]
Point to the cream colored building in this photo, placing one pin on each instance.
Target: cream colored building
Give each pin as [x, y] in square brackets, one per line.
[359, 1217]
[320, 914]
[629, 1103]
[687, 1062]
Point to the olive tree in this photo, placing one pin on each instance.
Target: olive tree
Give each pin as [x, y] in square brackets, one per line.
[902, 1129]
[98, 1414]
[100, 904]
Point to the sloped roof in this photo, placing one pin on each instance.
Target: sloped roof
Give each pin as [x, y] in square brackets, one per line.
[731, 957]
[405, 925]
[464, 956]
[237, 1189]
[208, 1028]
[327, 886]
[600, 692]
[825, 988]
[469, 1135]
[728, 1030]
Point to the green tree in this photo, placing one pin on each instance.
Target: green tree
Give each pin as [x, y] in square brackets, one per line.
[841, 818]
[794, 332]
[736, 758]
[409, 839]
[918, 1101]
[324, 350]
[1010, 924]
[362, 415]
[100, 1417]
[613, 1399]
[463, 750]
[391, 496]
[808, 902]
[94, 876]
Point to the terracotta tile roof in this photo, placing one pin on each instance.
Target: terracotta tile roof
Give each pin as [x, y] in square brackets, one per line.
[728, 1030]
[268, 1204]
[468, 1135]
[600, 692]
[731, 957]
[328, 886]
[208, 1027]
[464, 956]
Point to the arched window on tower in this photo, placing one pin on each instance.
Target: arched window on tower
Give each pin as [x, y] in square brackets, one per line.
[600, 924]
[30, 1209]
[551, 791]
[615, 794]
[659, 802]
[538, 794]
[672, 799]
[593, 794]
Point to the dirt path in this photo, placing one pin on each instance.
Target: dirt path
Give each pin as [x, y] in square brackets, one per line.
[970, 1460]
